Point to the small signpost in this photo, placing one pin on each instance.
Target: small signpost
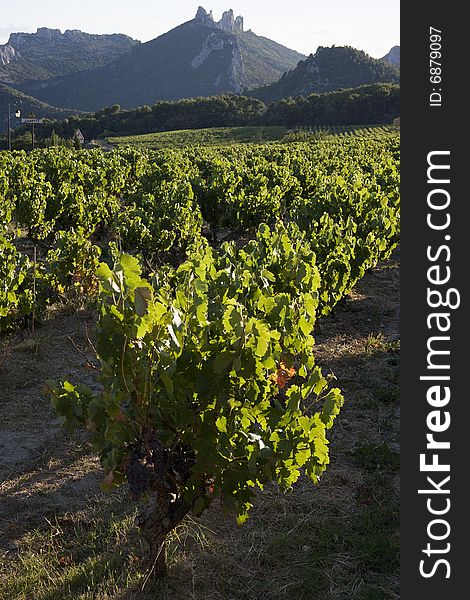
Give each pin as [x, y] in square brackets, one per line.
[32, 120]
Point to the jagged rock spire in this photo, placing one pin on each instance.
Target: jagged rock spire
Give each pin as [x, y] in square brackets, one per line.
[205, 17]
[228, 22]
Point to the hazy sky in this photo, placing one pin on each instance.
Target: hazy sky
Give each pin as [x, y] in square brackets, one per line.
[370, 25]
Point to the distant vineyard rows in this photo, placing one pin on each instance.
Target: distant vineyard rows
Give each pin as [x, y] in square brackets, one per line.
[256, 134]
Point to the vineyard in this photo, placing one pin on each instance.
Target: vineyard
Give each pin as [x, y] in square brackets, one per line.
[214, 136]
[210, 272]
[363, 131]
[219, 136]
[338, 200]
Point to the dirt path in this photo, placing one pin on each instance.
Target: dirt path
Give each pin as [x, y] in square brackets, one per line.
[42, 468]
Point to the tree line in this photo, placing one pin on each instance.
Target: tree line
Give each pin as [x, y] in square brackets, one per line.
[368, 104]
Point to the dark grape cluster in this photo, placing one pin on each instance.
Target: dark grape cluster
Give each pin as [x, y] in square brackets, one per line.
[152, 463]
[139, 476]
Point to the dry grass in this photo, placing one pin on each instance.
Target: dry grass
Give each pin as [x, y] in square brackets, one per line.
[61, 538]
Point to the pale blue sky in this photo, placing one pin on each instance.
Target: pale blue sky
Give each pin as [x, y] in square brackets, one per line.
[370, 25]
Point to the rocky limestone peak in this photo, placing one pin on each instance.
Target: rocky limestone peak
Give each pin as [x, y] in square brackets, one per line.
[49, 34]
[228, 22]
[20, 40]
[205, 17]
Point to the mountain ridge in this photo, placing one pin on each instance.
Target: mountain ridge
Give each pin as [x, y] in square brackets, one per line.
[200, 57]
[329, 69]
[50, 53]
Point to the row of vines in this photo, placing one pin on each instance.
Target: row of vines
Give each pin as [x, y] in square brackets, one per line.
[77, 206]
